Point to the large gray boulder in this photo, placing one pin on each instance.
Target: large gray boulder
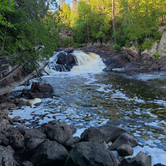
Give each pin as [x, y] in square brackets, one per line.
[112, 132]
[90, 154]
[125, 138]
[34, 133]
[93, 134]
[125, 150]
[16, 141]
[60, 133]
[49, 153]
[6, 156]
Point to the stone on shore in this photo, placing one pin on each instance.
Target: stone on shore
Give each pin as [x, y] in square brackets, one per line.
[90, 154]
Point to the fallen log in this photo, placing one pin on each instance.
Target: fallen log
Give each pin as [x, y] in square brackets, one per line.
[16, 81]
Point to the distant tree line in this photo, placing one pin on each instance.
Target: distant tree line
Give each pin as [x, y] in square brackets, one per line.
[121, 20]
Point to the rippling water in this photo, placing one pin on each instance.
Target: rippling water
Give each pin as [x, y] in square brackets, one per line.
[133, 101]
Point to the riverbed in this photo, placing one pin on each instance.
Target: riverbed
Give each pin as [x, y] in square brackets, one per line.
[131, 100]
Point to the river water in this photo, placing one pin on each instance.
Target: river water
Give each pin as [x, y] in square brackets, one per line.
[86, 97]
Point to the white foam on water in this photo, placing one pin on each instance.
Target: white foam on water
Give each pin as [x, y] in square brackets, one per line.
[88, 62]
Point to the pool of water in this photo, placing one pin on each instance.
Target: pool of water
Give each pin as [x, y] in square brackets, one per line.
[133, 101]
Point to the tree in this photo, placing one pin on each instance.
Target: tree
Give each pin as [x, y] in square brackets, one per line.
[113, 19]
[34, 25]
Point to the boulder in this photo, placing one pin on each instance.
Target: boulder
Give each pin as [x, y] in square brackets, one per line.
[49, 153]
[60, 133]
[21, 128]
[32, 143]
[93, 134]
[141, 159]
[159, 164]
[3, 140]
[90, 154]
[44, 88]
[3, 125]
[4, 114]
[112, 132]
[34, 133]
[73, 129]
[16, 141]
[6, 156]
[117, 61]
[125, 138]
[125, 150]
[12, 131]
[7, 105]
[72, 141]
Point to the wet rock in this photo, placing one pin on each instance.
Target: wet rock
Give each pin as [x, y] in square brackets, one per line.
[12, 131]
[91, 154]
[93, 134]
[60, 133]
[7, 105]
[159, 164]
[16, 141]
[49, 153]
[44, 88]
[141, 159]
[73, 129]
[125, 138]
[112, 132]
[64, 62]
[6, 156]
[125, 150]
[27, 163]
[33, 143]
[34, 133]
[41, 91]
[117, 61]
[3, 140]
[4, 114]
[15, 119]
[72, 141]
[21, 128]
[3, 125]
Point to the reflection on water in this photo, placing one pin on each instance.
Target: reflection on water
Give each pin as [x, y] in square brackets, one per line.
[128, 100]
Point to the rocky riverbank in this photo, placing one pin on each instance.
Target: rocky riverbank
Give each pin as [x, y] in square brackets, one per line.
[56, 145]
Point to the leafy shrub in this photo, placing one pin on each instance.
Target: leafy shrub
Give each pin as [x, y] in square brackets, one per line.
[147, 44]
[66, 42]
[127, 44]
[116, 47]
[157, 36]
[156, 55]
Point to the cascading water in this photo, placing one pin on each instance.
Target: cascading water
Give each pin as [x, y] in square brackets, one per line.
[88, 62]
[86, 97]
[83, 62]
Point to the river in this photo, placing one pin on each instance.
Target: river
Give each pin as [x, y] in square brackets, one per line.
[86, 97]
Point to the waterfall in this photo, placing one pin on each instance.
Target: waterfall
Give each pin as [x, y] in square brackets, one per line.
[87, 62]
[77, 61]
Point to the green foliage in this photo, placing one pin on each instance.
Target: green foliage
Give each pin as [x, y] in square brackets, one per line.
[116, 47]
[66, 42]
[33, 25]
[127, 44]
[147, 44]
[157, 36]
[156, 55]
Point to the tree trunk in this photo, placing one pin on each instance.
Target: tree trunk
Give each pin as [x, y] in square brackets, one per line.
[113, 19]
